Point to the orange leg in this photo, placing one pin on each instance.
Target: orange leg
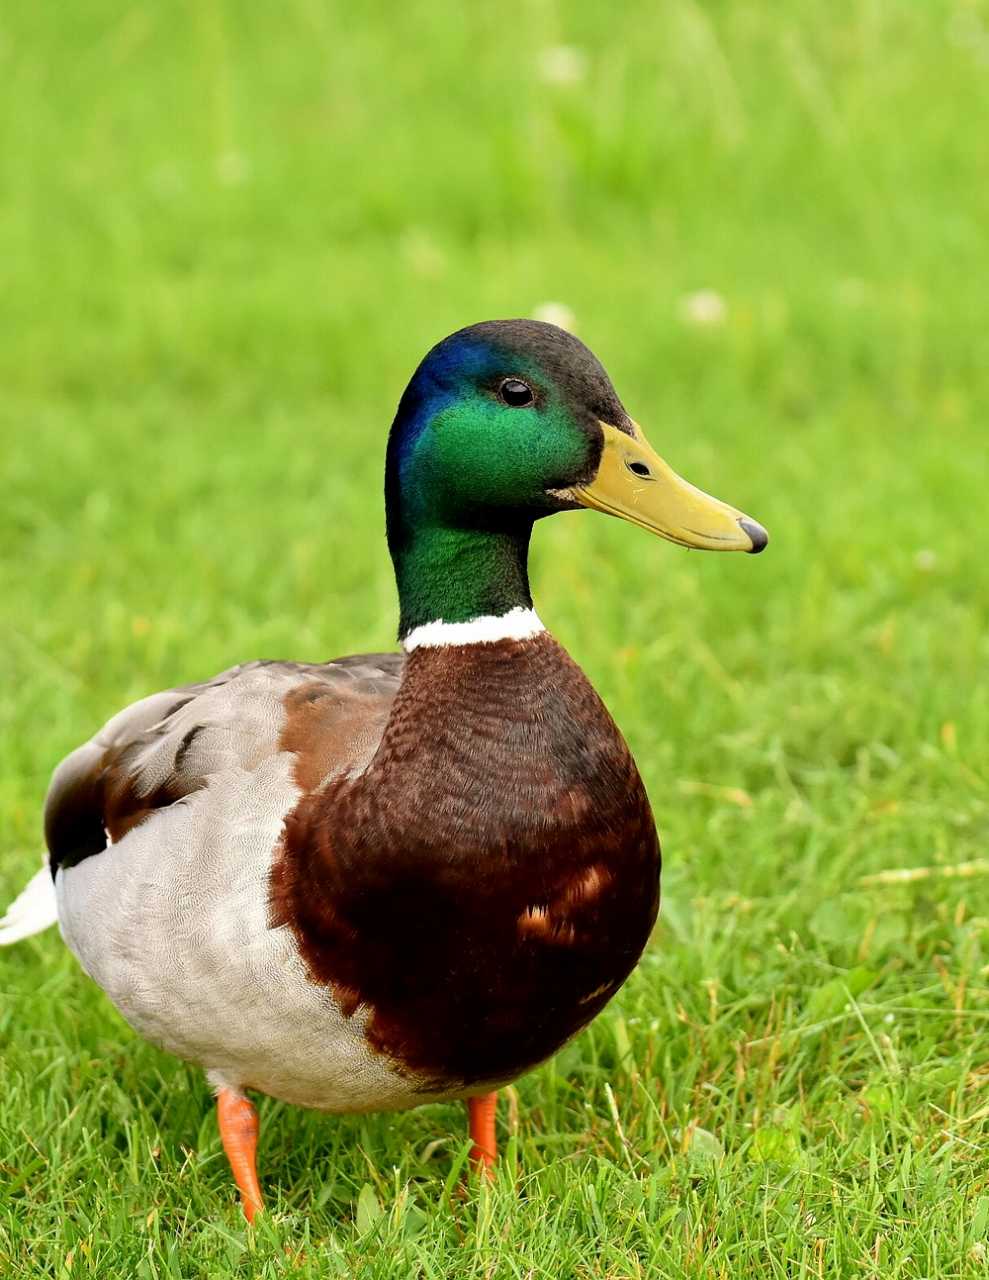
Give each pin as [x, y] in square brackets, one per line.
[481, 1112]
[239, 1134]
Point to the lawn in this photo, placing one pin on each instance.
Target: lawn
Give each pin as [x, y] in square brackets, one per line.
[227, 234]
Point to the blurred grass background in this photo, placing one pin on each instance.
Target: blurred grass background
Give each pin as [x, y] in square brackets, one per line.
[227, 235]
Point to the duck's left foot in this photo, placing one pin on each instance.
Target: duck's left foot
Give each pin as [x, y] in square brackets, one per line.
[239, 1133]
[481, 1112]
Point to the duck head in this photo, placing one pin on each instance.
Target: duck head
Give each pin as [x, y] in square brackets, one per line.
[506, 422]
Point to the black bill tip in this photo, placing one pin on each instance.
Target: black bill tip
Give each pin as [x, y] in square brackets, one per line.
[757, 536]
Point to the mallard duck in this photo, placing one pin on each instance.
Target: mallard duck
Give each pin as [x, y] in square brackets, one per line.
[397, 878]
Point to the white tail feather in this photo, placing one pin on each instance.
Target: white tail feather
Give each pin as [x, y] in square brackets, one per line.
[32, 911]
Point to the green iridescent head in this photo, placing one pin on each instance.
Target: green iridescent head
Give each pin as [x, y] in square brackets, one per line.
[502, 423]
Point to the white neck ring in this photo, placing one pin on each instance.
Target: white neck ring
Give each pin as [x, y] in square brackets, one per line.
[516, 624]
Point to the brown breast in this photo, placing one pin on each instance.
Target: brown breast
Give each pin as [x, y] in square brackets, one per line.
[491, 879]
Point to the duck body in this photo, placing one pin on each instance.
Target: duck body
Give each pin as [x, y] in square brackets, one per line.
[362, 885]
[396, 878]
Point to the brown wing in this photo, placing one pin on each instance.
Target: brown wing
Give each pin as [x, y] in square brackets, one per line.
[165, 747]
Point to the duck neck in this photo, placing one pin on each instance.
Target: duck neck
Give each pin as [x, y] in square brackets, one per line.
[459, 577]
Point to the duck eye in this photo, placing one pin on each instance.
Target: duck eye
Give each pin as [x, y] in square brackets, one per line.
[516, 393]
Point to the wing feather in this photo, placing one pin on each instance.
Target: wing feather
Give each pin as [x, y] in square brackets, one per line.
[165, 747]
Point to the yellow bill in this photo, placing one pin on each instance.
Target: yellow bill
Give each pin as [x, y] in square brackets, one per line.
[634, 482]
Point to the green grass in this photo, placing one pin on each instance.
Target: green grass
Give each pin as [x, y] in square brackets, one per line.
[227, 233]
